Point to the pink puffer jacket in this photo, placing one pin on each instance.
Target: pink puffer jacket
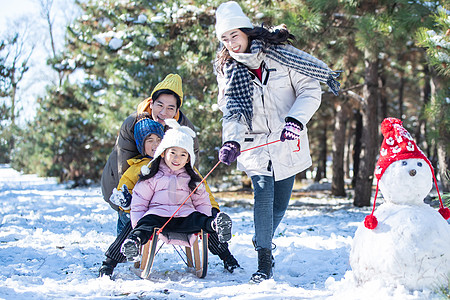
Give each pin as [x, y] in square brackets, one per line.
[163, 193]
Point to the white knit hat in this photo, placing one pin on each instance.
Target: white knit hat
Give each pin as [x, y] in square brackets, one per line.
[229, 15]
[176, 136]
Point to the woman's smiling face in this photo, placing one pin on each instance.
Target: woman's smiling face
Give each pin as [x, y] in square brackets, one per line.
[235, 41]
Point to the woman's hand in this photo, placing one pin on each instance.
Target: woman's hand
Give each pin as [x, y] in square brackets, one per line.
[291, 130]
[229, 152]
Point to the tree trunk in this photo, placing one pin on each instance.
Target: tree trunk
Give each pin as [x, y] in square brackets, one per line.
[421, 129]
[322, 160]
[12, 140]
[347, 151]
[338, 183]
[357, 146]
[46, 7]
[443, 140]
[425, 95]
[401, 89]
[369, 144]
[444, 165]
[383, 96]
[301, 176]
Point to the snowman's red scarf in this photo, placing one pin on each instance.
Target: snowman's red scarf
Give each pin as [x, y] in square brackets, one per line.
[371, 221]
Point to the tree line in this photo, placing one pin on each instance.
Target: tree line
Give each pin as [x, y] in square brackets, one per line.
[393, 55]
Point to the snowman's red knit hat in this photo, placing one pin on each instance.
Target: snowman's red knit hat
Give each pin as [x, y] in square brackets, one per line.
[398, 145]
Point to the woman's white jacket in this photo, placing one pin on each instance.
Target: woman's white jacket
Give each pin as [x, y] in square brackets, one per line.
[281, 93]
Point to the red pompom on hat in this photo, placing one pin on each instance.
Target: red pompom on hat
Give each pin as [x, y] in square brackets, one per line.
[398, 145]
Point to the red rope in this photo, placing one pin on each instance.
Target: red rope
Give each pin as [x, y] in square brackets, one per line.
[298, 146]
[260, 146]
[203, 180]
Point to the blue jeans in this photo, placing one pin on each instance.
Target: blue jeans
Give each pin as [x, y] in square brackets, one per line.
[123, 219]
[271, 201]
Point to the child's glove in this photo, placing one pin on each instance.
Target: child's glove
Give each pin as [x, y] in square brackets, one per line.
[291, 130]
[229, 152]
[121, 198]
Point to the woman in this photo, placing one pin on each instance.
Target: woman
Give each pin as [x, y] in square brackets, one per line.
[266, 93]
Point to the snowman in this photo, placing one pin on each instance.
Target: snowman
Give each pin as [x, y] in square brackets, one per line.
[404, 241]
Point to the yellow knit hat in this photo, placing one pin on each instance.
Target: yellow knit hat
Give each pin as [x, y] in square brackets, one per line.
[171, 82]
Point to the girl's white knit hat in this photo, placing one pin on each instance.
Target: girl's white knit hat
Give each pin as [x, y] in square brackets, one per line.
[229, 15]
[176, 136]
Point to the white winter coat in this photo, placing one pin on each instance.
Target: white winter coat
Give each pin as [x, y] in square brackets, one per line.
[282, 93]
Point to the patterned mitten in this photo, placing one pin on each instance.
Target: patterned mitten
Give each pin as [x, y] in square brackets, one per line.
[291, 130]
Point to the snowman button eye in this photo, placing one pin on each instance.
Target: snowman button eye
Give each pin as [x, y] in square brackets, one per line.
[419, 164]
[404, 163]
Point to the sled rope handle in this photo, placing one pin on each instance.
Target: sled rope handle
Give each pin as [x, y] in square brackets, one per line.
[203, 180]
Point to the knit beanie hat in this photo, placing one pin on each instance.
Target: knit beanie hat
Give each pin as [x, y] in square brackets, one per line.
[398, 145]
[229, 15]
[176, 136]
[143, 128]
[171, 82]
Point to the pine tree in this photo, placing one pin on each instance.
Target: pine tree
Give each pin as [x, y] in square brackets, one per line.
[14, 58]
[116, 52]
[119, 52]
[436, 40]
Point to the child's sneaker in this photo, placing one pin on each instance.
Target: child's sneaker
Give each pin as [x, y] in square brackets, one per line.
[222, 225]
[131, 247]
[230, 263]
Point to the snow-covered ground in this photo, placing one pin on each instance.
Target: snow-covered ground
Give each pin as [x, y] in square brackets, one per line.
[53, 239]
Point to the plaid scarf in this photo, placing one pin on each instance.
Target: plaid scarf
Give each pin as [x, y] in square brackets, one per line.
[239, 87]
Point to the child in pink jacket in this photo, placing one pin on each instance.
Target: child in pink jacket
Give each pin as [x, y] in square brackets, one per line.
[163, 188]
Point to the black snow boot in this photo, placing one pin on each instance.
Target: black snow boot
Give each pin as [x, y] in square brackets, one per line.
[107, 267]
[230, 263]
[273, 248]
[264, 266]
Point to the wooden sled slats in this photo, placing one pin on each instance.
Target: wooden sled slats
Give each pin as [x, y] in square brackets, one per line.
[196, 254]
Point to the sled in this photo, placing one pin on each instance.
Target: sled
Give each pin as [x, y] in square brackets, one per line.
[196, 251]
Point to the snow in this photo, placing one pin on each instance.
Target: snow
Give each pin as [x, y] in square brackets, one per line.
[53, 239]
[115, 43]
